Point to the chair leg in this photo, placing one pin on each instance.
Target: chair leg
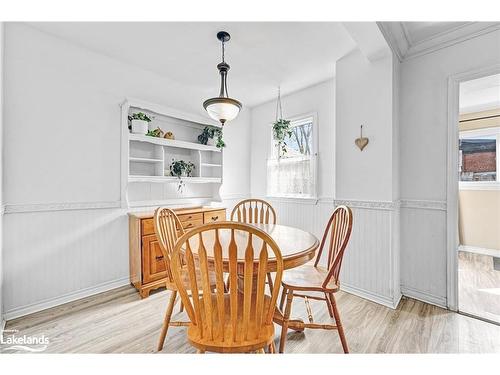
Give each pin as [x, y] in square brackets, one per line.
[282, 300]
[339, 324]
[272, 348]
[181, 307]
[166, 321]
[286, 318]
[329, 305]
[270, 282]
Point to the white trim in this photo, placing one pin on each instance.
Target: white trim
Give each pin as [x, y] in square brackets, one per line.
[374, 297]
[69, 297]
[226, 197]
[397, 38]
[370, 205]
[479, 185]
[2, 209]
[298, 200]
[59, 206]
[423, 204]
[480, 250]
[452, 179]
[423, 296]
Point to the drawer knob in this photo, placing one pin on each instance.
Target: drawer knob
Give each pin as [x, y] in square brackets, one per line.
[189, 225]
[214, 218]
[159, 257]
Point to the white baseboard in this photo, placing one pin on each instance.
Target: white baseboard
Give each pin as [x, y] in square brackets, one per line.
[69, 297]
[480, 250]
[424, 297]
[374, 297]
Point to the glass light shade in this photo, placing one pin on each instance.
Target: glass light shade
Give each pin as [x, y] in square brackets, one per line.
[222, 109]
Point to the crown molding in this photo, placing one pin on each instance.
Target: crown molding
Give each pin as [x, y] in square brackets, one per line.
[404, 48]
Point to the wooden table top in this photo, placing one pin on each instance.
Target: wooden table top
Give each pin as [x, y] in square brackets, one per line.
[297, 246]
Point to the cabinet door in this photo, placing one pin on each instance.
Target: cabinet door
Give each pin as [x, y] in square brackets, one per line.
[213, 216]
[153, 264]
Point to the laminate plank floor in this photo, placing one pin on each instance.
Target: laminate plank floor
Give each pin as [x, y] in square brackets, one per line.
[118, 321]
[478, 286]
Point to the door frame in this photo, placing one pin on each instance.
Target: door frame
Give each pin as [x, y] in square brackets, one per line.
[452, 241]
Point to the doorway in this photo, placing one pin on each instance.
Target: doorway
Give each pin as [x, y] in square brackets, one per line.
[478, 253]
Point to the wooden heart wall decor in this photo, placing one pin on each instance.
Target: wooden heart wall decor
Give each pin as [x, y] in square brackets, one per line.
[361, 142]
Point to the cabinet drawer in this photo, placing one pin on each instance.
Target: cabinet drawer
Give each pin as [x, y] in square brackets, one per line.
[191, 224]
[147, 227]
[191, 217]
[212, 216]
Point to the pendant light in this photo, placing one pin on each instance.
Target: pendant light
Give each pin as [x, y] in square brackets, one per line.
[222, 108]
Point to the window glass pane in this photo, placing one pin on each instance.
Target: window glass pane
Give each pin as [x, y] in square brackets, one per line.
[478, 159]
[300, 142]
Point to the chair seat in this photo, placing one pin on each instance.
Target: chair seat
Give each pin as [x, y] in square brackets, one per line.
[308, 277]
[187, 283]
[225, 343]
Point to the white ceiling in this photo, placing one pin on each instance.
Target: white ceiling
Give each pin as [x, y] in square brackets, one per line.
[480, 94]
[261, 55]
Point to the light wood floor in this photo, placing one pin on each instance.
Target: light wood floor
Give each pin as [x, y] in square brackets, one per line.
[119, 322]
[478, 286]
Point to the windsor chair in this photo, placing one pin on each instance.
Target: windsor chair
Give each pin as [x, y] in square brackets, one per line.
[312, 278]
[239, 319]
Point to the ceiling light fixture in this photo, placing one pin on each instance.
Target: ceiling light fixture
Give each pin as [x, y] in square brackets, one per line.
[222, 108]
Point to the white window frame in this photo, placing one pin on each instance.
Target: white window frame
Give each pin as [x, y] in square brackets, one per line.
[314, 156]
[482, 185]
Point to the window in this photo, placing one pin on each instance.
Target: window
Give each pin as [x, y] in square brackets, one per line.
[294, 173]
[478, 161]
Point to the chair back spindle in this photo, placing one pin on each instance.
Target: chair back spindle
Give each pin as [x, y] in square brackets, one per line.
[168, 229]
[254, 211]
[338, 230]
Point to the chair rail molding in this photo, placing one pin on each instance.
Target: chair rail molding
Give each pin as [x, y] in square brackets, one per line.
[423, 204]
[59, 206]
[371, 205]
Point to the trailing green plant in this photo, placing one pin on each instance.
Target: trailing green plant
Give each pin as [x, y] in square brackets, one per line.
[140, 116]
[155, 133]
[181, 168]
[281, 129]
[211, 132]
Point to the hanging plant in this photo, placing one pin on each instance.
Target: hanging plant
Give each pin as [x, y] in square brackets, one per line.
[211, 132]
[179, 169]
[281, 128]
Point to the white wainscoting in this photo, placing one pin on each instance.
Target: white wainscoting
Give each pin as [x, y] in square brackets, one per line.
[57, 253]
[371, 264]
[423, 250]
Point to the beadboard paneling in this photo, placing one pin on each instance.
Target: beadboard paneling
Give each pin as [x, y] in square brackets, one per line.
[49, 255]
[371, 264]
[423, 253]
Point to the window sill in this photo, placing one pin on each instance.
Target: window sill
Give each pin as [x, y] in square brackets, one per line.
[479, 185]
[301, 200]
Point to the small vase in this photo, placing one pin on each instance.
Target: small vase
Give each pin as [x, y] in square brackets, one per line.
[139, 127]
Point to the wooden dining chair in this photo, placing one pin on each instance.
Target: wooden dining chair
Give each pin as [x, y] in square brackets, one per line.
[168, 229]
[312, 278]
[240, 319]
[255, 211]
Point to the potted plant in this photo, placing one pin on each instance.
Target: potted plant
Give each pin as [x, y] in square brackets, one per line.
[181, 168]
[208, 135]
[281, 129]
[140, 122]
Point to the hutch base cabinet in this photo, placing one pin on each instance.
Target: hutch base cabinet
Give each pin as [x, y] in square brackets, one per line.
[147, 267]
